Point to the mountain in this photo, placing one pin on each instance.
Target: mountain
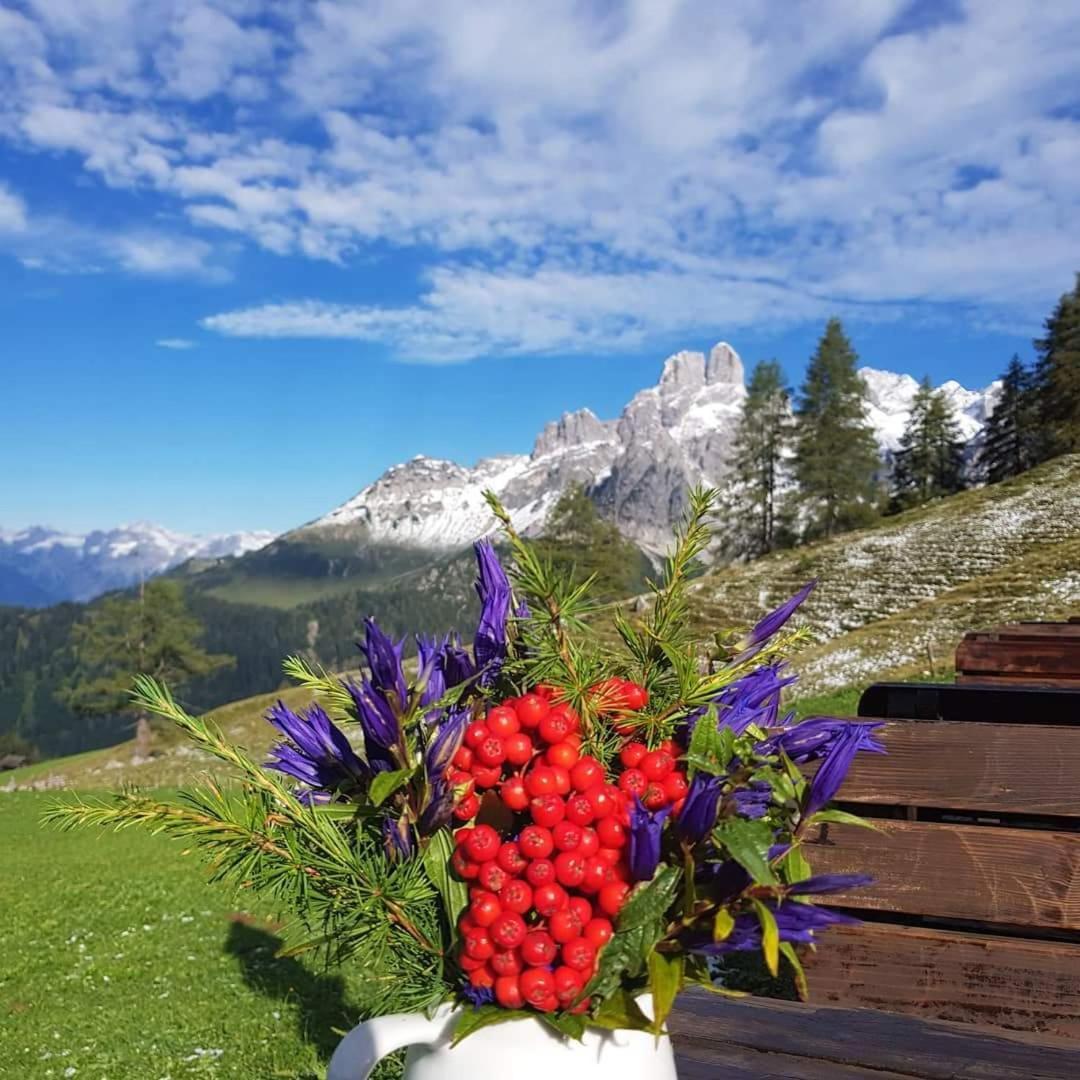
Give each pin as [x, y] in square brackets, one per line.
[40, 566]
[892, 603]
[637, 468]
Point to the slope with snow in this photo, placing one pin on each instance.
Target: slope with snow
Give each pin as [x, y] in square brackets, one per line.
[45, 565]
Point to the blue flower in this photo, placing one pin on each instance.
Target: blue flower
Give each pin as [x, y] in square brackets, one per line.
[797, 922]
[443, 745]
[319, 754]
[493, 588]
[759, 637]
[378, 723]
[752, 801]
[431, 677]
[384, 662]
[839, 755]
[698, 815]
[812, 738]
[754, 698]
[457, 665]
[397, 838]
[829, 883]
[477, 995]
[645, 834]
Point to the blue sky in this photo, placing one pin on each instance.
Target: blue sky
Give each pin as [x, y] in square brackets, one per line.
[251, 254]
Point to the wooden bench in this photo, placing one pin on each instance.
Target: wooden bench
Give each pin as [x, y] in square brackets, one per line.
[970, 953]
[1043, 654]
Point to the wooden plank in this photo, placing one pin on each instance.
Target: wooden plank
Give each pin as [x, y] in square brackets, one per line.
[1008, 703]
[710, 1060]
[1036, 630]
[971, 766]
[1023, 877]
[1020, 679]
[944, 975]
[1059, 657]
[867, 1038]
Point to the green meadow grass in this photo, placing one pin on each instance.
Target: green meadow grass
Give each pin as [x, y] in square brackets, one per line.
[121, 963]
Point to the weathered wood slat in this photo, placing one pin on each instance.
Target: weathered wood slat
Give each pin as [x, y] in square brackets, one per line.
[1036, 630]
[864, 1038]
[1012, 983]
[1009, 702]
[971, 766]
[1058, 657]
[1021, 679]
[1022, 877]
[724, 1061]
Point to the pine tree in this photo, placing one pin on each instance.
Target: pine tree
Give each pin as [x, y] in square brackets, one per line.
[582, 544]
[1057, 375]
[836, 457]
[930, 460]
[150, 633]
[759, 463]
[1012, 428]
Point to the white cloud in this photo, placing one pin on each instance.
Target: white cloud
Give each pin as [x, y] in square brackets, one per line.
[12, 211]
[175, 343]
[576, 172]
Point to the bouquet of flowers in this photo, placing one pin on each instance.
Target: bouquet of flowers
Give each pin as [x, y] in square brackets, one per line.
[547, 825]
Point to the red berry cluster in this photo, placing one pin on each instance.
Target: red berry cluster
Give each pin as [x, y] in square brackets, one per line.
[542, 906]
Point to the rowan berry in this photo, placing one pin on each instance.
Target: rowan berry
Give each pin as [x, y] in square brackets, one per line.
[502, 721]
[491, 751]
[549, 898]
[635, 697]
[478, 944]
[598, 872]
[483, 843]
[513, 794]
[675, 786]
[633, 782]
[486, 776]
[540, 872]
[656, 764]
[507, 962]
[565, 925]
[485, 908]
[579, 810]
[604, 799]
[540, 780]
[467, 808]
[476, 733]
[632, 753]
[535, 842]
[519, 748]
[612, 897]
[579, 954]
[598, 932]
[562, 754]
[511, 859]
[508, 992]
[582, 907]
[568, 984]
[538, 949]
[516, 896]
[463, 757]
[537, 986]
[587, 773]
[569, 869]
[531, 709]
[567, 836]
[508, 930]
[590, 842]
[547, 810]
[654, 797]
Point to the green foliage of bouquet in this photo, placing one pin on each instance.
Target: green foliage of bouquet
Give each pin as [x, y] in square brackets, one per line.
[541, 826]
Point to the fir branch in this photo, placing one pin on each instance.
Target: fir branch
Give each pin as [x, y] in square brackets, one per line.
[317, 679]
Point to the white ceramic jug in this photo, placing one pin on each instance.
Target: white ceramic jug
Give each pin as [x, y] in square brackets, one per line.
[524, 1049]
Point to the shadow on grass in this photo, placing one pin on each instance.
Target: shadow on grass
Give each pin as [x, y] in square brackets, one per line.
[319, 999]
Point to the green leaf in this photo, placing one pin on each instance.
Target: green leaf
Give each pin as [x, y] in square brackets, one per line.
[386, 783]
[618, 1011]
[573, 1027]
[665, 982]
[792, 957]
[622, 957]
[650, 901]
[770, 937]
[454, 893]
[841, 817]
[723, 924]
[795, 865]
[748, 843]
[710, 748]
[485, 1016]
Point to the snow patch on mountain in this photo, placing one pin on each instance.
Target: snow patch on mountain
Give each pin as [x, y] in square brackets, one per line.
[53, 566]
[637, 467]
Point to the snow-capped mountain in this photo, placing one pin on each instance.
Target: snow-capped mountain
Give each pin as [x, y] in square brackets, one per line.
[637, 467]
[42, 566]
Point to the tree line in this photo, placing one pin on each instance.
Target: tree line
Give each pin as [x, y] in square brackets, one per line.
[806, 465]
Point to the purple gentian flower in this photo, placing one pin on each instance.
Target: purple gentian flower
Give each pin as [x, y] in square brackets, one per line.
[378, 723]
[759, 637]
[445, 742]
[457, 665]
[431, 677]
[493, 588]
[384, 661]
[698, 814]
[811, 738]
[796, 922]
[841, 752]
[829, 883]
[752, 801]
[320, 755]
[645, 834]
[397, 838]
[477, 995]
[754, 698]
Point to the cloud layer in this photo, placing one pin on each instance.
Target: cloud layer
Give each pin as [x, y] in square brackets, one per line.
[571, 176]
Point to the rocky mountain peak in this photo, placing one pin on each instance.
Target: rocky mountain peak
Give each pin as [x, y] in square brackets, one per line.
[724, 365]
[572, 429]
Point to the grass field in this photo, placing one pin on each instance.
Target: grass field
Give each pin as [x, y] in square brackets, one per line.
[121, 963]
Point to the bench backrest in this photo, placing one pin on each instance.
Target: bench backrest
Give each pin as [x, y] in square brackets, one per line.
[1044, 654]
[975, 911]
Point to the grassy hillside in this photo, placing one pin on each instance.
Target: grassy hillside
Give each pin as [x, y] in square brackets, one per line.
[894, 600]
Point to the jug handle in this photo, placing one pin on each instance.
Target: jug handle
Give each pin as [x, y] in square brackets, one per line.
[360, 1050]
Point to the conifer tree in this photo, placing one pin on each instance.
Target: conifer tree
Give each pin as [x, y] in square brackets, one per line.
[759, 463]
[150, 633]
[836, 457]
[1012, 428]
[1057, 375]
[582, 544]
[930, 460]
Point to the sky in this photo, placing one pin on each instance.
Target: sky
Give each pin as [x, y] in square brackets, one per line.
[251, 254]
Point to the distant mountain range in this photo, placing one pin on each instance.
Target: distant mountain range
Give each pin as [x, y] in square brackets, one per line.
[41, 566]
[636, 468]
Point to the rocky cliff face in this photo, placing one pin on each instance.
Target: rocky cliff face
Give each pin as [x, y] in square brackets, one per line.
[637, 468]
